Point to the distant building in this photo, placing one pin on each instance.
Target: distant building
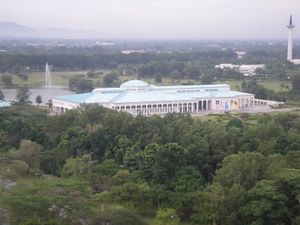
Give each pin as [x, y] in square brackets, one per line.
[240, 54]
[127, 52]
[105, 43]
[250, 70]
[138, 97]
[247, 70]
[227, 66]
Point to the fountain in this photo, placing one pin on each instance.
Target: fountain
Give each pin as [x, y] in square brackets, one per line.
[47, 91]
[48, 80]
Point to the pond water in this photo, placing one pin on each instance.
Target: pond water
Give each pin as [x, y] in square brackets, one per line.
[44, 91]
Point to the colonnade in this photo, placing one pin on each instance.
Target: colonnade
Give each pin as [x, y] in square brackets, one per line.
[193, 107]
[259, 102]
[183, 107]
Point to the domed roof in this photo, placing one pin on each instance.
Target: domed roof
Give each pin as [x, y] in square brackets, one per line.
[134, 83]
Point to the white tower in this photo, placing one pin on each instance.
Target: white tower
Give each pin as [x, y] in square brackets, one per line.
[290, 40]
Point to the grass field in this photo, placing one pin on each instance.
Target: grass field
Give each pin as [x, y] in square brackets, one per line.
[62, 78]
[275, 85]
[38, 78]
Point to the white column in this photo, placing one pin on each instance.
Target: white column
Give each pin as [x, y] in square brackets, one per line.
[290, 45]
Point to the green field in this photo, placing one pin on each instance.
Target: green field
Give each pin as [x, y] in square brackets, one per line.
[62, 78]
[38, 78]
[274, 85]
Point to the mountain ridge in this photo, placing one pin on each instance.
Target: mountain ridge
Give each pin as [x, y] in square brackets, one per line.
[13, 29]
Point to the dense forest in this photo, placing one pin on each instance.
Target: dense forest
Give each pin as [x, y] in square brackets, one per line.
[165, 59]
[97, 166]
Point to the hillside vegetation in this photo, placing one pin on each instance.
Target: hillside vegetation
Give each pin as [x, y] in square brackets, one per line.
[97, 166]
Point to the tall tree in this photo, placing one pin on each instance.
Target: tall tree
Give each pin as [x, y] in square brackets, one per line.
[110, 79]
[296, 82]
[23, 94]
[6, 80]
[169, 158]
[1, 95]
[38, 100]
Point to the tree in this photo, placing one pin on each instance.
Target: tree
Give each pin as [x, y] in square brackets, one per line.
[23, 94]
[28, 152]
[192, 71]
[23, 76]
[158, 78]
[185, 185]
[243, 168]
[296, 220]
[175, 74]
[234, 122]
[168, 159]
[77, 166]
[147, 160]
[122, 145]
[75, 141]
[7, 81]
[266, 204]
[110, 79]
[293, 158]
[206, 78]
[17, 168]
[187, 179]
[17, 68]
[219, 205]
[50, 104]
[296, 82]
[38, 99]
[208, 204]
[1, 95]
[91, 74]
[80, 85]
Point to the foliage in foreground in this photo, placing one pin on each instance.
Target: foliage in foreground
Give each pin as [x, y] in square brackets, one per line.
[76, 168]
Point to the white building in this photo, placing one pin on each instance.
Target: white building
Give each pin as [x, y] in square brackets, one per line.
[247, 70]
[250, 70]
[139, 97]
[227, 66]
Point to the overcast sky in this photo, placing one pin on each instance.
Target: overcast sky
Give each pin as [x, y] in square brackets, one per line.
[168, 19]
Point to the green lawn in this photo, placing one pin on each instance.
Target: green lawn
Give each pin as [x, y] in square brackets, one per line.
[38, 78]
[275, 85]
[62, 78]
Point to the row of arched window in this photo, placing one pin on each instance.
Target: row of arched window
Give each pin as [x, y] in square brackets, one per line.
[166, 108]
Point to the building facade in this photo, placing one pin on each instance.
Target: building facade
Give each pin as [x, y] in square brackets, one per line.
[139, 97]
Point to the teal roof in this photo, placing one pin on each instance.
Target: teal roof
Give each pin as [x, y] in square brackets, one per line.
[77, 98]
[153, 94]
[4, 103]
[101, 97]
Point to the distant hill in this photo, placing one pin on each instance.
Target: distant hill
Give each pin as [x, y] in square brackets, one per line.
[12, 29]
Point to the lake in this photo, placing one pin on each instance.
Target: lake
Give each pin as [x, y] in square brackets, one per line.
[44, 91]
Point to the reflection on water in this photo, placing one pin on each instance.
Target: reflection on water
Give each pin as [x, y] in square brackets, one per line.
[46, 93]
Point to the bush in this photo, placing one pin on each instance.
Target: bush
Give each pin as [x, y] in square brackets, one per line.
[18, 168]
[167, 216]
[118, 217]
